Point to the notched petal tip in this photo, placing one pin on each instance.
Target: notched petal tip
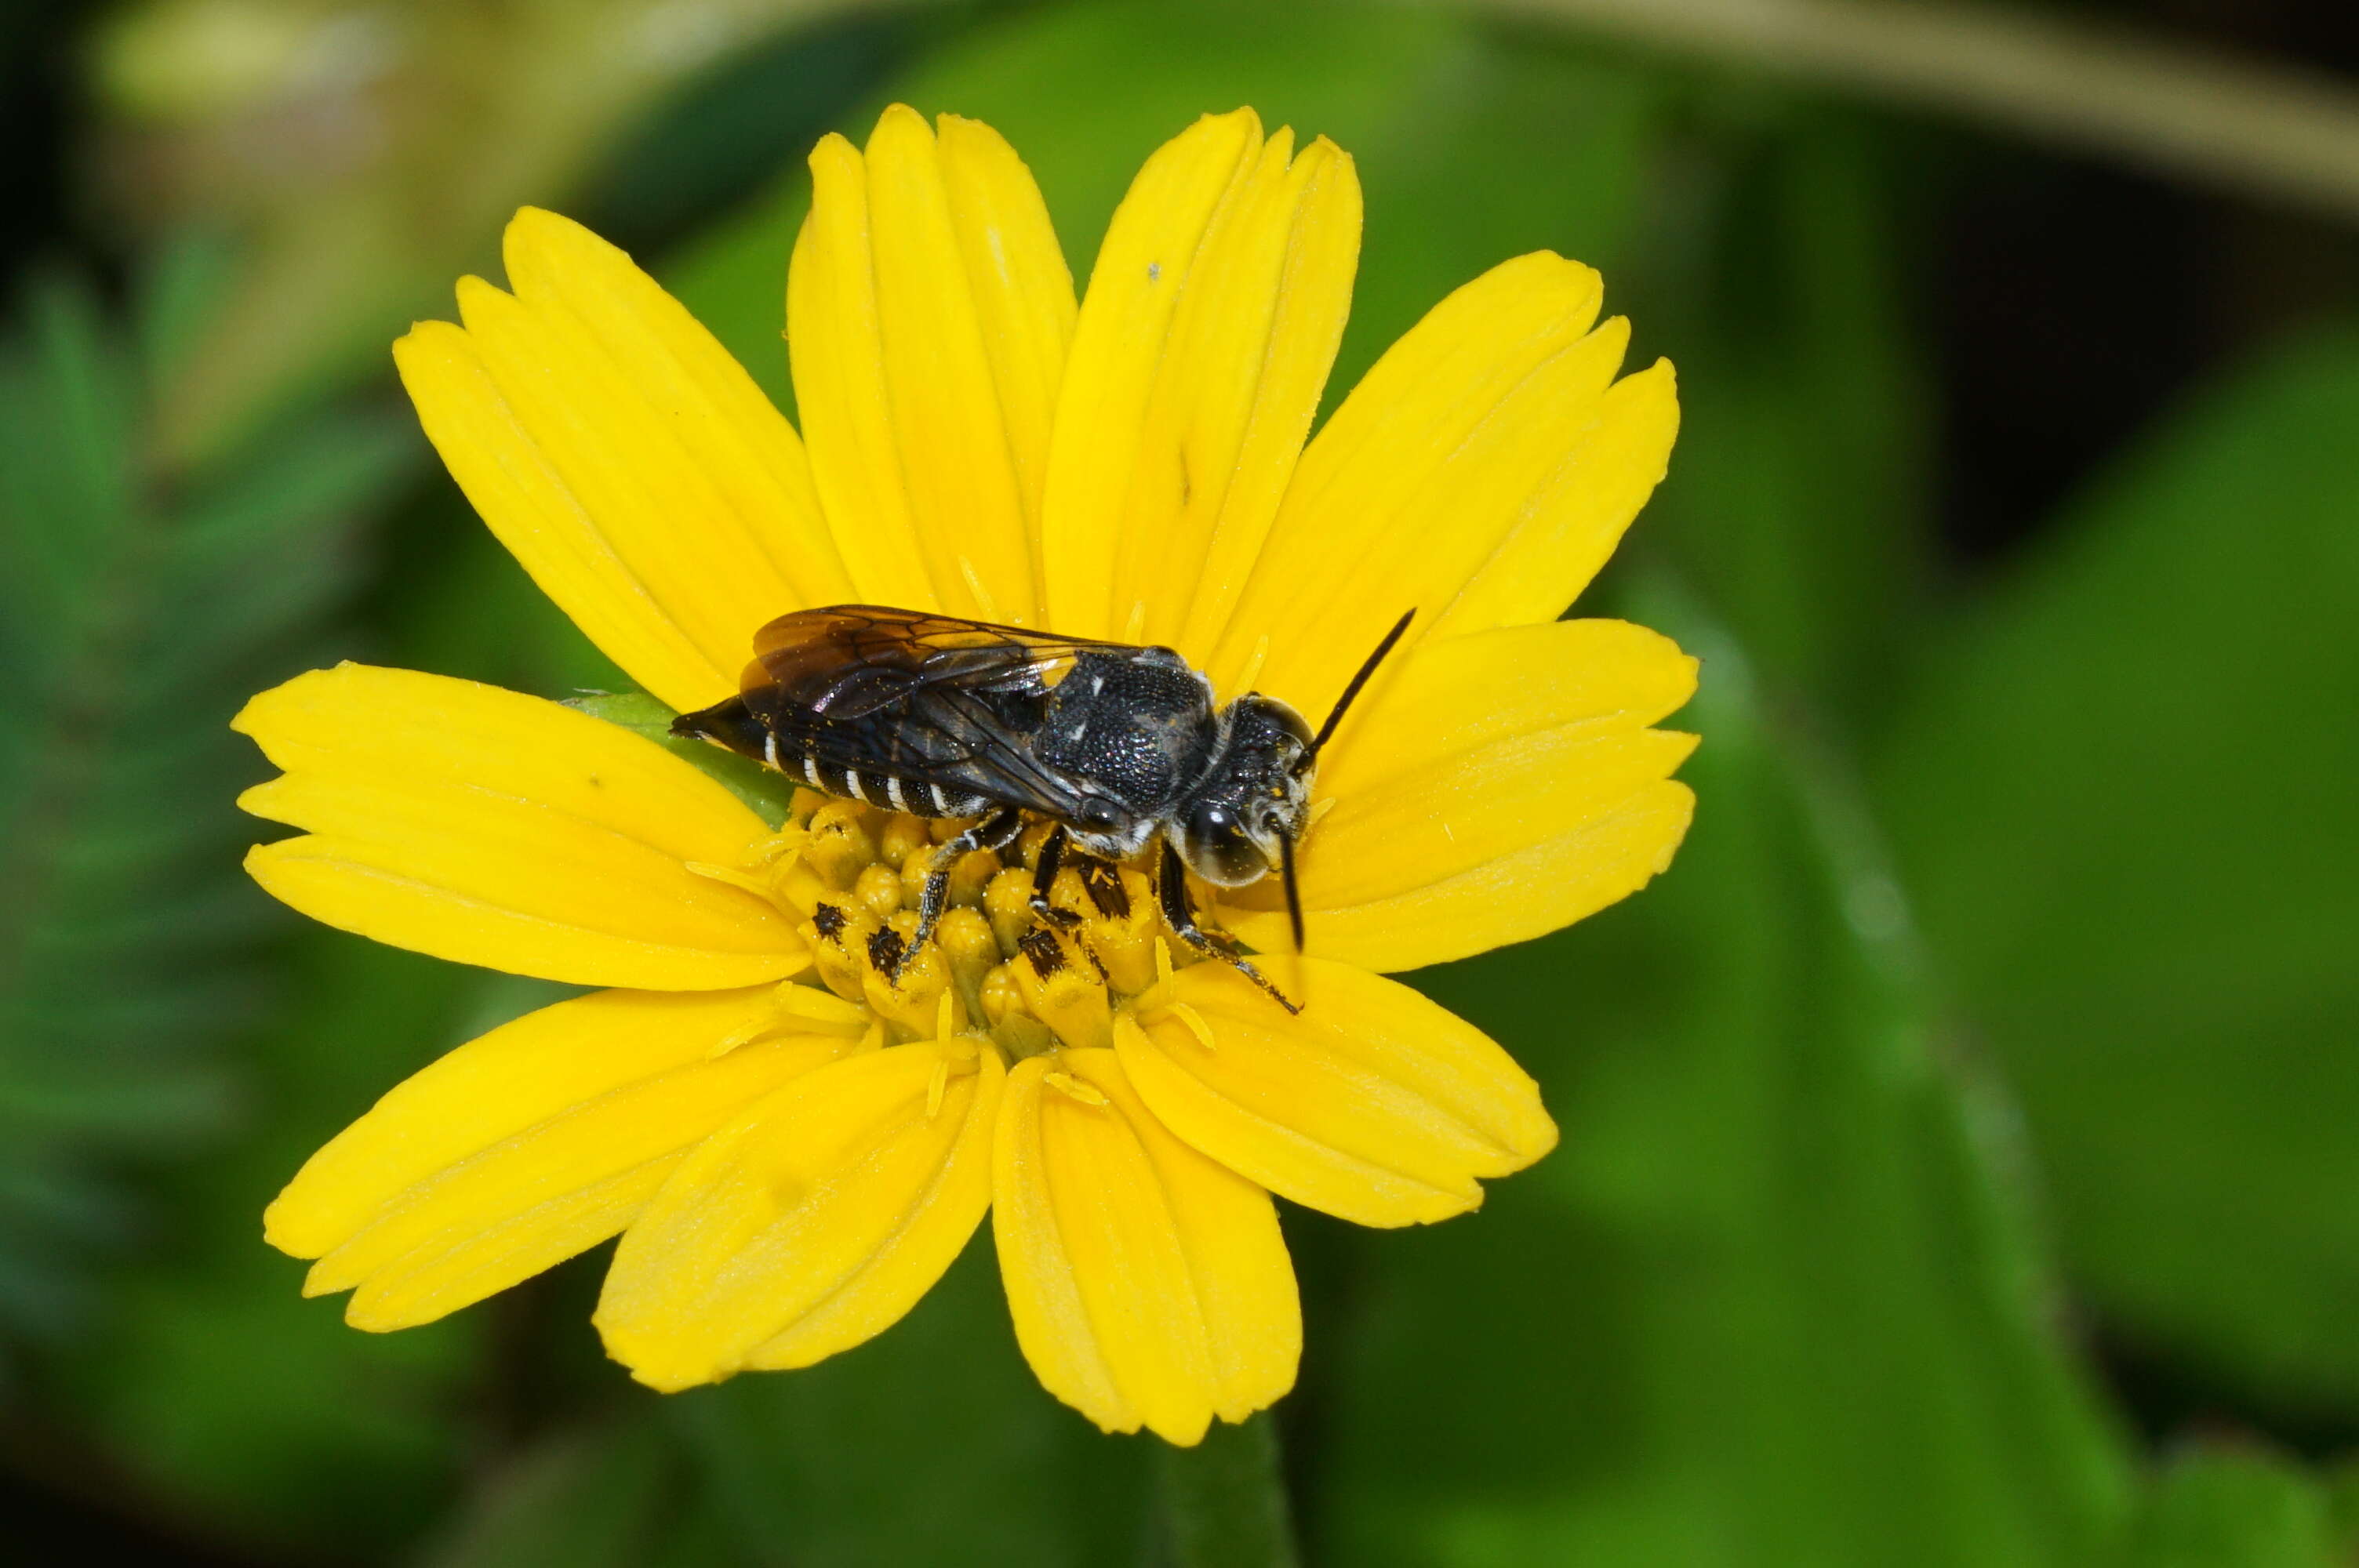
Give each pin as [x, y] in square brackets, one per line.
[1372, 1104]
[495, 829]
[810, 1224]
[1149, 1286]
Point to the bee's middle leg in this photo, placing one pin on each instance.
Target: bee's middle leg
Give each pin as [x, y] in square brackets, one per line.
[1179, 913]
[994, 832]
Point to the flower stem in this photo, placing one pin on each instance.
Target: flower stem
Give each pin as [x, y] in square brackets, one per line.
[1225, 1502]
[2249, 124]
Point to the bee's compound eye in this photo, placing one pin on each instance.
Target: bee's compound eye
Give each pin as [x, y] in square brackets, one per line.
[1217, 848]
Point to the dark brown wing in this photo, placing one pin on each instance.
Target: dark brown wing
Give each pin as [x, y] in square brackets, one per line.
[930, 699]
[849, 661]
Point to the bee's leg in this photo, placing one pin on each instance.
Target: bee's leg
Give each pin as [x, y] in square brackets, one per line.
[1179, 913]
[1044, 878]
[994, 832]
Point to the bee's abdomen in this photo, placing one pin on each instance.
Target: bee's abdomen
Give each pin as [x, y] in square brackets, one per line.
[870, 785]
[823, 767]
[874, 787]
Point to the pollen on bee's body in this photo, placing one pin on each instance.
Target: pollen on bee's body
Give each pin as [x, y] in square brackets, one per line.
[1104, 885]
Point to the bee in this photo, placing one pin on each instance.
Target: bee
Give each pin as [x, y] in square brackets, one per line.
[1121, 749]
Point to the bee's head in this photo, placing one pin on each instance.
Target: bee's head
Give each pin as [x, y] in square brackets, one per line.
[1238, 824]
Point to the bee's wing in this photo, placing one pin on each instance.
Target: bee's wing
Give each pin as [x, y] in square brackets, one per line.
[934, 697]
[850, 661]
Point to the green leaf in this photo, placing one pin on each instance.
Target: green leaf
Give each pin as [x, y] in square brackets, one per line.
[135, 618]
[1772, 1300]
[930, 1444]
[2121, 793]
[1797, 496]
[2234, 1508]
[236, 1400]
[609, 1498]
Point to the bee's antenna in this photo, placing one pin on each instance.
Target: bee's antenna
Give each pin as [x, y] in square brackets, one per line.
[1335, 715]
[1293, 890]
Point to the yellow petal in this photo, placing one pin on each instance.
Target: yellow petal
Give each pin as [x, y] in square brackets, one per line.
[631, 466]
[1456, 695]
[1460, 824]
[1372, 1104]
[1022, 290]
[1408, 860]
[488, 828]
[524, 1146]
[1212, 317]
[1149, 1285]
[1459, 812]
[1478, 475]
[929, 308]
[813, 1222]
[1529, 891]
[1124, 321]
[496, 1086]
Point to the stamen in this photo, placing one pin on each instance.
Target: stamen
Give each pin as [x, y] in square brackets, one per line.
[1062, 988]
[901, 837]
[743, 881]
[1195, 1022]
[965, 940]
[936, 1087]
[794, 886]
[1074, 1088]
[1252, 671]
[788, 840]
[838, 934]
[910, 999]
[744, 1036]
[1011, 1021]
[1115, 910]
[1136, 627]
[983, 599]
[815, 1011]
[842, 844]
[1028, 842]
[1008, 903]
[880, 889]
[1318, 809]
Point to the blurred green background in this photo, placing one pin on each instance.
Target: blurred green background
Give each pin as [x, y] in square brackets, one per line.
[1962, 1143]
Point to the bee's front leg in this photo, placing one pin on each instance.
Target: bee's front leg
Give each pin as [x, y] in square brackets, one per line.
[994, 832]
[1044, 881]
[1179, 913]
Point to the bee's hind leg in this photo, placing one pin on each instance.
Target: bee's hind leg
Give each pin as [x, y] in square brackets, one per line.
[1179, 913]
[994, 832]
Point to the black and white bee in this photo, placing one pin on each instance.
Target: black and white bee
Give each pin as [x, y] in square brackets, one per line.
[1122, 749]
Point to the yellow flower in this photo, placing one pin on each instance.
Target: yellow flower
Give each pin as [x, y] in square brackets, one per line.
[792, 1147]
